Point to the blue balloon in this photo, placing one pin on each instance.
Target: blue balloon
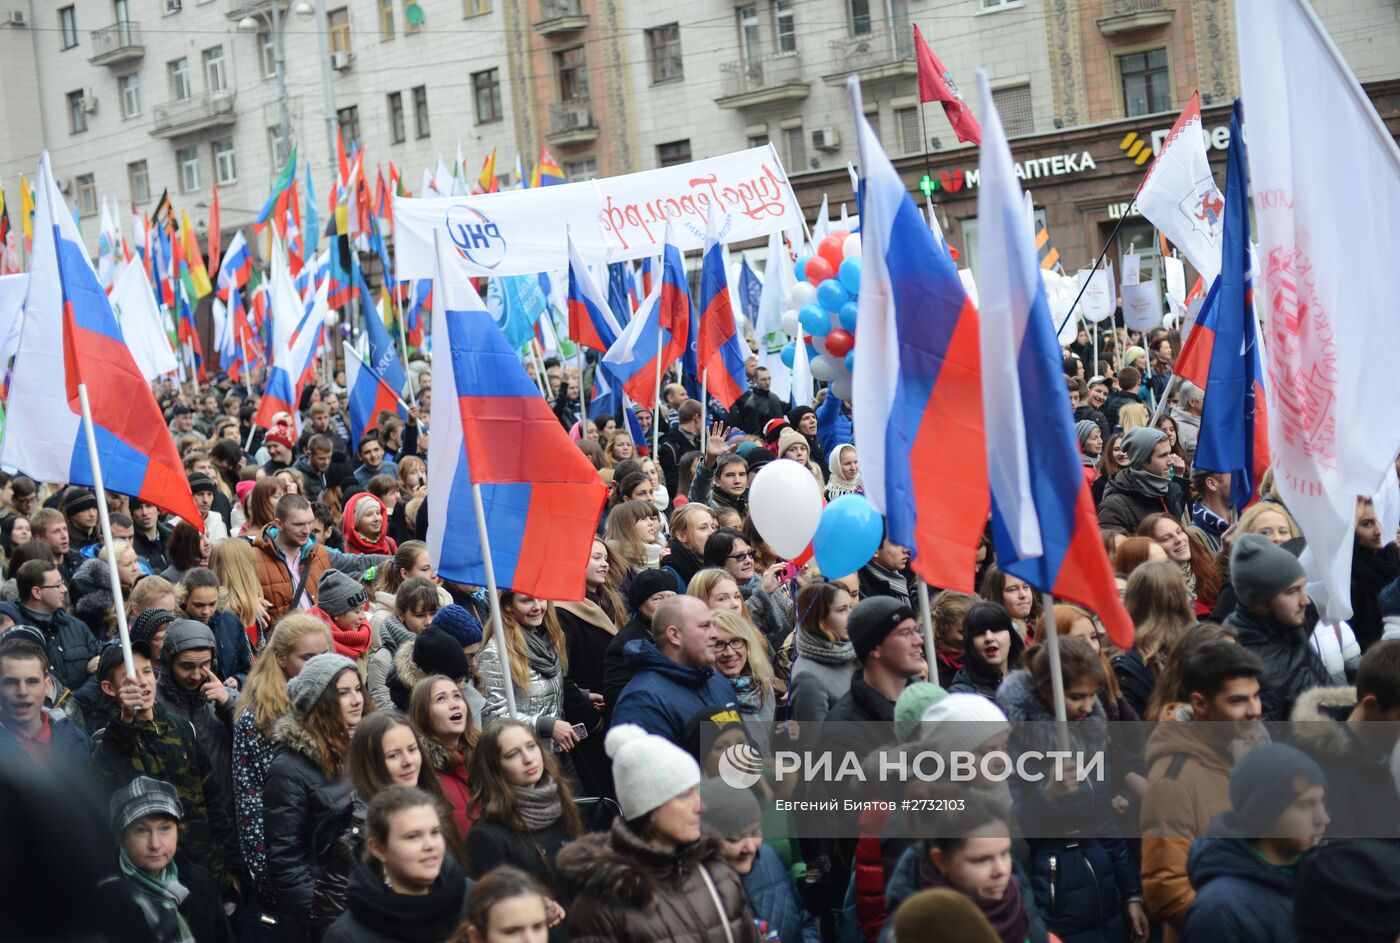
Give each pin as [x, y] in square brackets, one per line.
[789, 355]
[849, 312]
[800, 267]
[814, 320]
[851, 362]
[830, 295]
[848, 536]
[849, 274]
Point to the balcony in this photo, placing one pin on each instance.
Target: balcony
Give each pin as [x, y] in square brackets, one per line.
[763, 80]
[238, 9]
[1128, 16]
[179, 118]
[883, 54]
[571, 122]
[560, 16]
[118, 43]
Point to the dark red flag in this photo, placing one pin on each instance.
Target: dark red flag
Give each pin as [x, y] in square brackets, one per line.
[936, 85]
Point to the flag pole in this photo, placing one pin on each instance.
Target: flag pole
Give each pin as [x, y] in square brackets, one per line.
[397, 302]
[656, 404]
[1106, 246]
[118, 604]
[1057, 680]
[582, 388]
[498, 631]
[926, 619]
[704, 408]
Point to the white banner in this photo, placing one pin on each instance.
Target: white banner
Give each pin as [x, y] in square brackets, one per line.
[1098, 301]
[1142, 306]
[521, 232]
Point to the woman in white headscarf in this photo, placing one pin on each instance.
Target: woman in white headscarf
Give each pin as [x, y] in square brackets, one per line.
[845, 473]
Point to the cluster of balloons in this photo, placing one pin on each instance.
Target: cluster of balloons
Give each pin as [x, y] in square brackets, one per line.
[785, 503]
[825, 305]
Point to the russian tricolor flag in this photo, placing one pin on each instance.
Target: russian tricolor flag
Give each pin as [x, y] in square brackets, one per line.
[237, 266]
[591, 320]
[289, 365]
[721, 358]
[70, 336]
[367, 396]
[1043, 521]
[540, 496]
[1221, 354]
[636, 359]
[917, 381]
[383, 358]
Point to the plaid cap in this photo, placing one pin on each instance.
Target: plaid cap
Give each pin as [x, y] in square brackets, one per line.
[141, 797]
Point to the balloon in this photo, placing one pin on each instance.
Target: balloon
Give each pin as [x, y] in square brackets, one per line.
[818, 270]
[841, 388]
[848, 535]
[850, 275]
[851, 247]
[825, 368]
[839, 343]
[800, 267]
[850, 311]
[831, 294]
[789, 354]
[830, 249]
[802, 294]
[840, 235]
[812, 352]
[789, 322]
[814, 320]
[681, 499]
[851, 361]
[785, 505]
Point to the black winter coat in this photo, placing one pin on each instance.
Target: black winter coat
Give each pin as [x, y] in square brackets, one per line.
[616, 669]
[491, 844]
[1360, 790]
[1240, 897]
[126, 920]
[1135, 680]
[1123, 506]
[1291, 665]
[378, 915]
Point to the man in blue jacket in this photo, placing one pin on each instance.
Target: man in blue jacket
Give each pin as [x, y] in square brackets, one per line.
[675, 674]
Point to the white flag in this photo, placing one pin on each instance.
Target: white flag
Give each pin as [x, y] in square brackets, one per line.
[1327, 235]
[1179, 196]
[142, 326]
[771, 302]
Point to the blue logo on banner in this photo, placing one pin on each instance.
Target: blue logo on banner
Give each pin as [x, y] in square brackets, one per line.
[477, 238]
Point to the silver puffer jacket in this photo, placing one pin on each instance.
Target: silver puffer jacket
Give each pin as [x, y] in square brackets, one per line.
[540, 704]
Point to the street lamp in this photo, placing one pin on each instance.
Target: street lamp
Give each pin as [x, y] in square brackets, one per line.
[250, 23]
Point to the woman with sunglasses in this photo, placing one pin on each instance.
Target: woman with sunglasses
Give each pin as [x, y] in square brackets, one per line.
[729, 550]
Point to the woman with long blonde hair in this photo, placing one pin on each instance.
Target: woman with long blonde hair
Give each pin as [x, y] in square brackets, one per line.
[232, 562]
[1160, 606]
[634, 532]
[741, 656]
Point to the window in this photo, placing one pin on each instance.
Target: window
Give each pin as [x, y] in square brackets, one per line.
[225, 170]
[386, 19]
[486, 88]
[421, 127]
[349, 121]
[748, 32]
[475, 7]
[585, 168]
[1000, 4]
[338, 25]
[87, 195]
[758, 140]
[267, 55]
[1014, 106]
[215, 77]
[179, 71]
[872, 118]
[172, 6]
[130, 86]
[676, 152]
[68, 26]
[278, 147]
[573, 74]
[860, 17]
[784, 26]
[1146, 82]
[397, 135]
[906, 124]
[664, 48]
[77, 118]
[796, 143]
[188, 160]
[138, 178]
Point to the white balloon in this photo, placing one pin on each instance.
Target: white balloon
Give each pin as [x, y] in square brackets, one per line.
[789, 323]
[841, 389]
[331, 317]
[803, 294]
[785, 505]
[824, 368]
[850, 249]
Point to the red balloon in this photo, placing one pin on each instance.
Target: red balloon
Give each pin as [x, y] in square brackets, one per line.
[839, 343]
[679, 500]
[818, 270]
[840, 235]
[831, 249]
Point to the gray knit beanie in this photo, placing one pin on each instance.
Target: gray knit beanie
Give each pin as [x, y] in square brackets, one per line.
[338, 594]
[1139, 442]
[1259, 570]
[728, 812]
[185, 635]
[319, 672]
[1083, 429]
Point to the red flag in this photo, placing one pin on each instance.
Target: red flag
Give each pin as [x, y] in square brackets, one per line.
[214, 240]
[936, 85]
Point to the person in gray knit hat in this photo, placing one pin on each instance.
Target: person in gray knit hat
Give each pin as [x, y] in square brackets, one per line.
[189, 686]
[1272, 620]
[1146, 486]
[315, 676]
[1090, 438]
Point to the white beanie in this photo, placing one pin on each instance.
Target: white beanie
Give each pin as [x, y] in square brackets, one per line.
[961, 722]
[648, 771]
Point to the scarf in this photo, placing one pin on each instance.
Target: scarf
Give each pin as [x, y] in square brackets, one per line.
[353, 643]
[953, 658]
[1147, 483]
[393, 633]
[897, 583]
[159, 897]
[355, 542]
[683, 560]
[1189, 575]
[1007, 916]
[748, 693]
[544, 660]
[539, 805]
[837, 485]
[818, 649]
[590, 612]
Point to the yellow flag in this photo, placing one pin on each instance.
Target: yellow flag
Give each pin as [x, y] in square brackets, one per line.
[199, 275]
[26, 209]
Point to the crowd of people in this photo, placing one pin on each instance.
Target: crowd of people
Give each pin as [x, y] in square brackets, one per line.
[315, 744]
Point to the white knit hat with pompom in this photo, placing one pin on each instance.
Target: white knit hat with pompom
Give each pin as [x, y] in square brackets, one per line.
[648, 771]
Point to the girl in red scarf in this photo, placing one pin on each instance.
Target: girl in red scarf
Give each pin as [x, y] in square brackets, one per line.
[364, 522]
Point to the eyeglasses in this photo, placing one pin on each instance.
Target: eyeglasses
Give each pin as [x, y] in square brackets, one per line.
[741, 556]
[907, 634]
[63, 586]
[736, 645]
